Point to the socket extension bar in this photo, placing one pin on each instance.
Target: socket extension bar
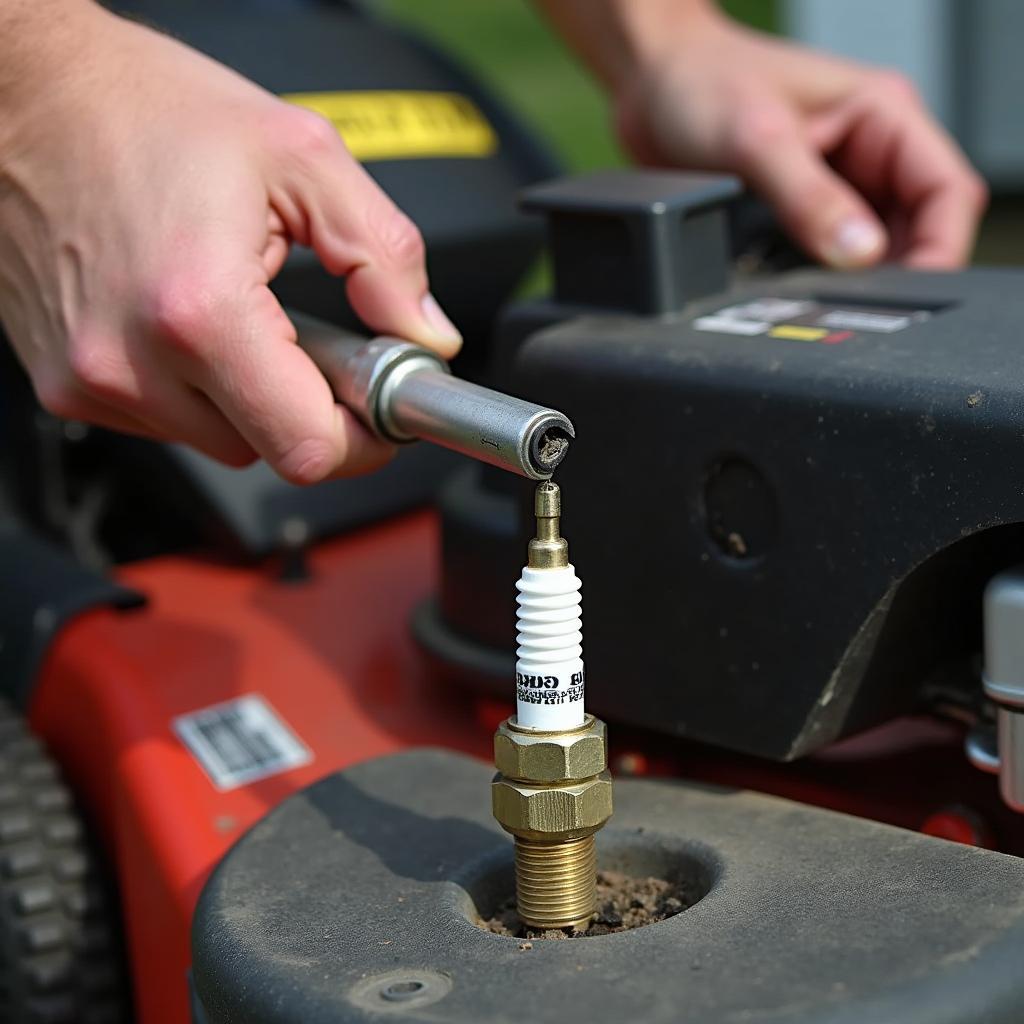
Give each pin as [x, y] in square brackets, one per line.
[403, 392]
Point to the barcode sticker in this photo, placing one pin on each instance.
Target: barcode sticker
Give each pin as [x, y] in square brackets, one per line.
[240, 741]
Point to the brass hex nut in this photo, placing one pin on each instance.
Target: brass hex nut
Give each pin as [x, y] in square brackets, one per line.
[551, 756]
[552, 812]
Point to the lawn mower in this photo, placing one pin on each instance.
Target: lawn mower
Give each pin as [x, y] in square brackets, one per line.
[249, 731]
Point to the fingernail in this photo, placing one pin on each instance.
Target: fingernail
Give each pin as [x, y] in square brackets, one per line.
[439, 323]
[855, 241]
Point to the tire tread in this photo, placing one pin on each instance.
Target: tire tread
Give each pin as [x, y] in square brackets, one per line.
[60, 953]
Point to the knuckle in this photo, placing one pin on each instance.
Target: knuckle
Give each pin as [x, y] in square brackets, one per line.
[184, 312]
[58, 396]
[757, 128]
[308, 135]
[308, 462]
[400, 239]
[977, 191]
[895, 87]
[97, 368]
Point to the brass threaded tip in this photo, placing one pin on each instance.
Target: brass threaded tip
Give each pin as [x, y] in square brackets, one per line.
[556, 882]
[548, 550]
[547, 500]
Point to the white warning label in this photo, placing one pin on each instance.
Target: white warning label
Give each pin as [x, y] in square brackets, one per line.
[240, 741]
[808, 319]
[752, 318]
[731, 325]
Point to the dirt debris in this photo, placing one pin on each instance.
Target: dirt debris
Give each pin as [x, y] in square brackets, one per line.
[623, 902]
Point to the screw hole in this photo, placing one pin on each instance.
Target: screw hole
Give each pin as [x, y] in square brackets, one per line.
[399, 991]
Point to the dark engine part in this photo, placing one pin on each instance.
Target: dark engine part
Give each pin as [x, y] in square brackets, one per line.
[820, 469]
[112, 499]
[798, 913]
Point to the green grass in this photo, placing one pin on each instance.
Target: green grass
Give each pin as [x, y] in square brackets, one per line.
[509, 46]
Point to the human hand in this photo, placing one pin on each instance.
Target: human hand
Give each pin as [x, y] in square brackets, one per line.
[853, 164]
[148, 195]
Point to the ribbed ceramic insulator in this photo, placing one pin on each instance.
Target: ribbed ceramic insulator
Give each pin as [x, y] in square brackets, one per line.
[549, 666]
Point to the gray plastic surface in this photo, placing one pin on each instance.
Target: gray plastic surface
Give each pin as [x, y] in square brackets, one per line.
[364, 883]
[879, 507]
[639, 241]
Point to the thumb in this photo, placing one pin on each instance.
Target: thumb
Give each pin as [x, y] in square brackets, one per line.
[822, 211]
[357, 231]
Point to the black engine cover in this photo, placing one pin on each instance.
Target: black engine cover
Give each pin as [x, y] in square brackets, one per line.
[781, 540]
[784, 499]
[355, 900]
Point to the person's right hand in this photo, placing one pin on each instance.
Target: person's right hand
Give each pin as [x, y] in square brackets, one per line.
[148, 195]
[850, 159]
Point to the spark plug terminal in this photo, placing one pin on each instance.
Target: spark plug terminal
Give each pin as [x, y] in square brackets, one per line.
[548, 549]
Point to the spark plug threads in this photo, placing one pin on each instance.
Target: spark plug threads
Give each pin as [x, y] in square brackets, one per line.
[555, 882]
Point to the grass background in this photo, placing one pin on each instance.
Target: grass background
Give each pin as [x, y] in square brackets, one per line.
[509, 46]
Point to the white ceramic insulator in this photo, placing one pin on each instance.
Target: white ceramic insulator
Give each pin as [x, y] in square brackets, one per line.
[549, 665]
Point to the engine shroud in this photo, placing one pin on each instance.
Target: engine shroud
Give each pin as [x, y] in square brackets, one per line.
[822, 471]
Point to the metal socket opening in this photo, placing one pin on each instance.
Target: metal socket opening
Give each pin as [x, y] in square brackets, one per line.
[549, 444]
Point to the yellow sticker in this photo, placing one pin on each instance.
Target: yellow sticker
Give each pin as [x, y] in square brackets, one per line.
[795, 332]
[403, 125]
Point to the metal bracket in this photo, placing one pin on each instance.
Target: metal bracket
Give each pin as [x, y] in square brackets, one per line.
[1003, 679]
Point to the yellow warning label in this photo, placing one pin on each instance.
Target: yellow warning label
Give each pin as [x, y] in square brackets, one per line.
[403, 125]
[796, 332]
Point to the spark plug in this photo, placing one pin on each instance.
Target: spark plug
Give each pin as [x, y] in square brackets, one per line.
[403, 392]
[553, 791]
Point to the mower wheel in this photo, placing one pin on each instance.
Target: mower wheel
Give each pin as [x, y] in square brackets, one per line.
[60, 957]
